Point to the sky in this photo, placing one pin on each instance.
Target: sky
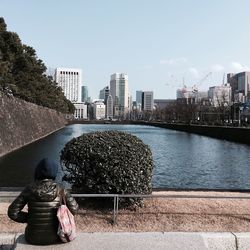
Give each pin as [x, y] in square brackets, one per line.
[160, 44]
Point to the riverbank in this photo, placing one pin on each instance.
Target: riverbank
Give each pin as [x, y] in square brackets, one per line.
[219, 212]
[234, 134]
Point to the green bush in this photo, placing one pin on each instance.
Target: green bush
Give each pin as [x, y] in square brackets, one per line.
[108, 162]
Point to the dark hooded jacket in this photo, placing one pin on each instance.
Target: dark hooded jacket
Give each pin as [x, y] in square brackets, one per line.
[42, 198]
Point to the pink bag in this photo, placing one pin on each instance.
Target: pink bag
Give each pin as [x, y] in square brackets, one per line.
[67, 227]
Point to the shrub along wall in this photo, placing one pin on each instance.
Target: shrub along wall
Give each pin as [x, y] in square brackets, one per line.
[22, 122]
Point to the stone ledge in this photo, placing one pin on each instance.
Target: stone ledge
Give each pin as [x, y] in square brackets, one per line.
[145, 241]
[7, 241]
[243, 241]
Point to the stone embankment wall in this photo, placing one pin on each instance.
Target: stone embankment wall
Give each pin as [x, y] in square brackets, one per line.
[235, 134]
[22, 122]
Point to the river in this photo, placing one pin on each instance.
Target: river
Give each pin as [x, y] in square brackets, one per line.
[182, 160]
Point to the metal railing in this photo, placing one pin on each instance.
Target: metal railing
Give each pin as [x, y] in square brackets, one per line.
[9, 196]
[116, 198]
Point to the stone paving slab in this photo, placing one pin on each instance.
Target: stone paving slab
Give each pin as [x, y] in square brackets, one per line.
[243, 241]
[145, 241]
[7, 241]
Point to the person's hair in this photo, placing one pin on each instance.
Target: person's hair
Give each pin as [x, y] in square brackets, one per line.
[46, 169]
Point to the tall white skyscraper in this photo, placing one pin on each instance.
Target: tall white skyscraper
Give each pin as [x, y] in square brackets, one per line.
[70, 80]
[119, 92]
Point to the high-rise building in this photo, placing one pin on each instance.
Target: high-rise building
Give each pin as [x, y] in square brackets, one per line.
[139, 97]
[104, 93]
[240, 84]
[148, 100]
[130, 102]
[109, 108]
[119, 92]
[85, 94]
[70, 81]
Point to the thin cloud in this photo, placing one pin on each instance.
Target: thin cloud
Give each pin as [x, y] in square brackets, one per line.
[217, 68]
[238, 67]
[174, 61]
[194, 72]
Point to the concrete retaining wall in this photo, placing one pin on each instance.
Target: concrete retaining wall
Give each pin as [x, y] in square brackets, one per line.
[22, 122]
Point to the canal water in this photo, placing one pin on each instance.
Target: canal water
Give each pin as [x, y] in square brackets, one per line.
[182, 160]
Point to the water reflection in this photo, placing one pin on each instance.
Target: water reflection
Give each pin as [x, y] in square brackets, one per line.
[182, 160]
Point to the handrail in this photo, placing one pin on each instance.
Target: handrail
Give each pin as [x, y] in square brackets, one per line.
[165, 196]
[116, 197]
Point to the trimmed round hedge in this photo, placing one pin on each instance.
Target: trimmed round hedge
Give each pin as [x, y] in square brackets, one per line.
[108, 162]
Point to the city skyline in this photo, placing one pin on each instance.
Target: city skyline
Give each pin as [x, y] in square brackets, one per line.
[160, 45]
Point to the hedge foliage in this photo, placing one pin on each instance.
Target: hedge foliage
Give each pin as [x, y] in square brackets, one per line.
[108, 162]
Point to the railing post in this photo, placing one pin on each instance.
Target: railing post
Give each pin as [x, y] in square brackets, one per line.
[117, 206]
[114, 210]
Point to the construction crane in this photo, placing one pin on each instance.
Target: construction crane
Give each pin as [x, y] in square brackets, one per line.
[195, 87]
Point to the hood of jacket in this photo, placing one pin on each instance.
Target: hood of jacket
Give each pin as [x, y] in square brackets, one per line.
[46, 169]
[44, 190]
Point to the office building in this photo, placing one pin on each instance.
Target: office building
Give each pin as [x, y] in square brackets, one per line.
[99, 110]
[109, 108]
[70, 80]
[137, 105]
[139, 97]
[120, 94]
[163, 103]
[80, 111]
[85, 94]
[147, 100]
[220, 95]
[104, 93]
[240, 84]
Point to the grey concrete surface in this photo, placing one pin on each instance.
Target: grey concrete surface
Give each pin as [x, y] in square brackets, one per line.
[142, 241]
[243, 241]
[7, 241]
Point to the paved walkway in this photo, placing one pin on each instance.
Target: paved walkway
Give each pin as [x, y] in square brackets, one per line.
[140, 241]
[132, 241]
